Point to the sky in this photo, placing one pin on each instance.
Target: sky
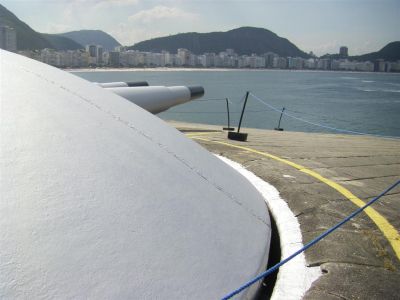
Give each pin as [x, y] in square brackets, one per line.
[321, 26]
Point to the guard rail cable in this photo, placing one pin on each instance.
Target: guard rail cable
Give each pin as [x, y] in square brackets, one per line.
[308, 245]
[213, 99]
[216, 112]
[317, 124]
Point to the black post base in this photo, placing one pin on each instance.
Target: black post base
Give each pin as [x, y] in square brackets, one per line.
[237, 136]
[278, 129]
[228, 128]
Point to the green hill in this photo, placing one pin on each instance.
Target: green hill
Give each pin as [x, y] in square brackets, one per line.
[96, 37]
[244, 40]
[391, 52]
[29, 39]
[61, 43]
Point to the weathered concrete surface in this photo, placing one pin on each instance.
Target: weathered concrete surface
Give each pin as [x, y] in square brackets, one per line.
[357, 261]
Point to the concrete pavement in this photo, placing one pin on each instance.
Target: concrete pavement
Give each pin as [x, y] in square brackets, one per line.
[359, 261]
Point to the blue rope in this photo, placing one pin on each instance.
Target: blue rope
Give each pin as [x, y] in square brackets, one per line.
[321, 125]
[313, 242]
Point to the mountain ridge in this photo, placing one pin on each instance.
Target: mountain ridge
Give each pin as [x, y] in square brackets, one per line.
[29, 39]
[61, 43]
[96, 37]
[244, 40]
[390, 52]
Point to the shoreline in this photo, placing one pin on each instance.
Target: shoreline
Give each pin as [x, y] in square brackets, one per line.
[166, 69]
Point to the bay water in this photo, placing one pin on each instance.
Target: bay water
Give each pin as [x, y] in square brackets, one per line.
[361, 102]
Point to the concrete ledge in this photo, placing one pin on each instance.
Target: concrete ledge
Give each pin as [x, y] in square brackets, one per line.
[294, 278]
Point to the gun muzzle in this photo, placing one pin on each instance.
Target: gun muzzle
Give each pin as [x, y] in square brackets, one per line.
[123, 84]
[156, 99]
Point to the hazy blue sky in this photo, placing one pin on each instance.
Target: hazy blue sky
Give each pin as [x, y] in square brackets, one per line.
[320, 26]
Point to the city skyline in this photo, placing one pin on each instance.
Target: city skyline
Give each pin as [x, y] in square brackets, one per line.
[321, 26]
[94, 56]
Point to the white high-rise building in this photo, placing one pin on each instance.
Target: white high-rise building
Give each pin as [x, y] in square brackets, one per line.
[183, 56]
[207, 60]
[99, 54]
[95, 53]
[169, 59]
[114, 59]
[8, 38]
[92, 50]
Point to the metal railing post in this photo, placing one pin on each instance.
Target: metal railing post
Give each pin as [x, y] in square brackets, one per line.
[238, 136]
[279, 123]
[228, 115]
[241, 115]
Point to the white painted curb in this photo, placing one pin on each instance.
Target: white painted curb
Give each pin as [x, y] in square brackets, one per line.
[294, 278]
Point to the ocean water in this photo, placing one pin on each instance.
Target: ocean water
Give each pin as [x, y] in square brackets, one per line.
[362, 102]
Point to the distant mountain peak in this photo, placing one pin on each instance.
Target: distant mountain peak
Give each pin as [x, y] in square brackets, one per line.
[29, 39]
[250, 29]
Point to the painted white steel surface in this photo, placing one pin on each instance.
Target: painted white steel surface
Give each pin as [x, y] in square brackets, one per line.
[100, 199]
[154, 99]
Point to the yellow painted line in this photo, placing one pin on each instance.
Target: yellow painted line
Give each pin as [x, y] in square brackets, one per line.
[194, 134]
[391, 234]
